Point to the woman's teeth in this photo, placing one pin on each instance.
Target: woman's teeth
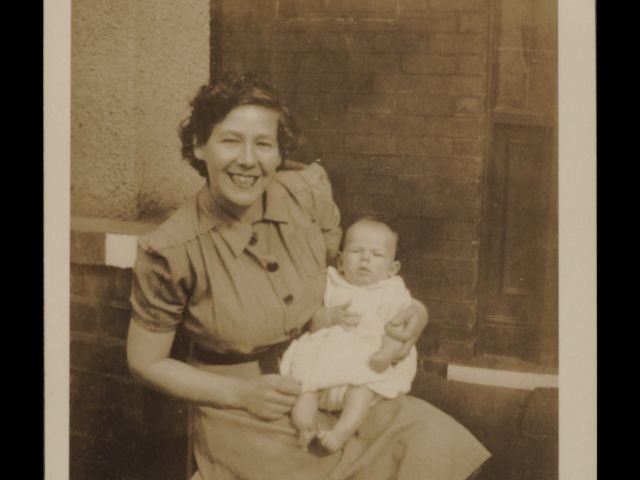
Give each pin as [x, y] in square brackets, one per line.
[243, 181]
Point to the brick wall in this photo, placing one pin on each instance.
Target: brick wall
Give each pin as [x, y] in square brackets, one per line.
[391, 95]
[118, 428]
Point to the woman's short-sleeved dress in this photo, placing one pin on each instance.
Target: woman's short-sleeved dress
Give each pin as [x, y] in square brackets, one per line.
[238, 289]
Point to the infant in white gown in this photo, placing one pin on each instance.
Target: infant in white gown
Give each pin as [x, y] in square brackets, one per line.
[349, 368]
[333, 358]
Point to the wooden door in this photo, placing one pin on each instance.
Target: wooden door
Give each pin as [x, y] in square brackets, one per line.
[518, 285]
[519, 245]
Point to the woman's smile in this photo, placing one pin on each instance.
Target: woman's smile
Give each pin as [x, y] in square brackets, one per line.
[242, 180]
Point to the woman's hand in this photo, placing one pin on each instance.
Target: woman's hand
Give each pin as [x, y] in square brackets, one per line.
[269, 396]
[407, 326]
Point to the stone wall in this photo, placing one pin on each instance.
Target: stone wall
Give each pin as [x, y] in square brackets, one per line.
[134, 66]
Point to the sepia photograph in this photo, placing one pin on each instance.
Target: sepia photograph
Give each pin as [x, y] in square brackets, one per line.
[248, 179]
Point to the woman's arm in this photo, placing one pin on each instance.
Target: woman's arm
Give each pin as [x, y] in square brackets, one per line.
[267, 396]
[407, 326]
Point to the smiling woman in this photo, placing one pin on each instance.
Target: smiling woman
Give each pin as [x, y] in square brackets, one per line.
[242, 268]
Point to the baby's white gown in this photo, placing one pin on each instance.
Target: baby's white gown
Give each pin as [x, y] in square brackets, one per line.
[333, 358]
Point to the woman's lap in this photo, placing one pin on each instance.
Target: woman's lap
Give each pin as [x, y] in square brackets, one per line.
[405, 438]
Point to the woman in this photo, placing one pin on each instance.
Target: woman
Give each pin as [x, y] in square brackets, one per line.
[242, 267]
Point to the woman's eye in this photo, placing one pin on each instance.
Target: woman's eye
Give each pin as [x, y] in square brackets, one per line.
[229, 140]
[264, 144]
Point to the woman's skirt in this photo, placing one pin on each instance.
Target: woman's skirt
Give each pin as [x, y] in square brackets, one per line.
[404, 438]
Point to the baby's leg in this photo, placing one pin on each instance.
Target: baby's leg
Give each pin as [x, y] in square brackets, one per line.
[356, 407]
[303, 415]
[388, 352]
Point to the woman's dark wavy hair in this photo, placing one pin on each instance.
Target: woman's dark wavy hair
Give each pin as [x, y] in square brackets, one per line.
[214, 101]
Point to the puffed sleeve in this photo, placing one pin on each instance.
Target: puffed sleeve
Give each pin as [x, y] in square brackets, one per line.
[324, 210]
[159, 288]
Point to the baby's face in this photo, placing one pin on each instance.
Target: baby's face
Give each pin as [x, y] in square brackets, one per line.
[368, 254]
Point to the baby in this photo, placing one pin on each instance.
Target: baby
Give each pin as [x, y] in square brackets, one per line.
[348, 365]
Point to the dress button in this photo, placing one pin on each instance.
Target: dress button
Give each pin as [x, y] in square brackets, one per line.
[272, 266]
[253, 240]
[288, 300]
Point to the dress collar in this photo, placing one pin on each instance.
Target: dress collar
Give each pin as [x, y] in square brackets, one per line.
[237, 234]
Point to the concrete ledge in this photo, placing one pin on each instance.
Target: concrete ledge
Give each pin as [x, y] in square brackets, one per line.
[108, 225]
[106, 242]
[501, 378]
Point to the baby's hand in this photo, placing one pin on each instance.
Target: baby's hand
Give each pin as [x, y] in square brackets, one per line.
[341, 315]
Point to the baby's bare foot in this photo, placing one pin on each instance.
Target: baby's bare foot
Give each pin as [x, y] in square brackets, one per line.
[333, 440]
[306, 435]
[379, 363]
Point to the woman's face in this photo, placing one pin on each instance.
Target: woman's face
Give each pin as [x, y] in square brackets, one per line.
[242, 155]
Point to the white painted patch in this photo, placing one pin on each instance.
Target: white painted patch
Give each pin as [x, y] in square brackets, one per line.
[120, 250]
[501, 378]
